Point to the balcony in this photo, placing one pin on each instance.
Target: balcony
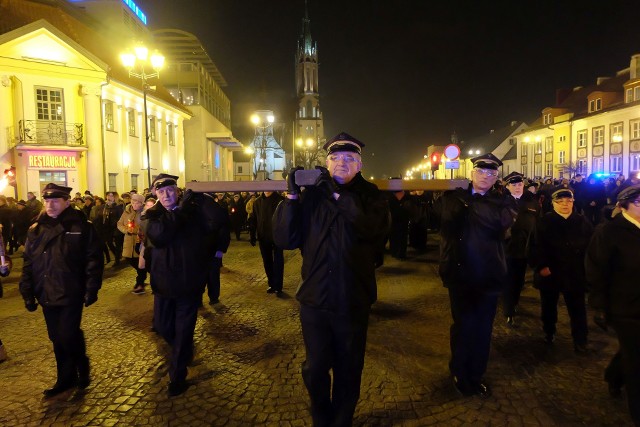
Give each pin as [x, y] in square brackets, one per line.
[45, 132]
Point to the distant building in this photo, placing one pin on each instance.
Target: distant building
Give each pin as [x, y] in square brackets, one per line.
[309, 128]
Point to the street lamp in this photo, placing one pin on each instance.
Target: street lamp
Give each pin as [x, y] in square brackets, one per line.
[135, 63]
[250, 152]
[263, 121]
[307, 146]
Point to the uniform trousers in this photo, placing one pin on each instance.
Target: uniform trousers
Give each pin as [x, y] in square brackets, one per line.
[63, 327]
[516, 269]
[213, 280]
[175, 320]
[628, 331]
[273, 261]
[470, 334]
[576, 307]
[333, 342]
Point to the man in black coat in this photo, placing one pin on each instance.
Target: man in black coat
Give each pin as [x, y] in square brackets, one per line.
[518, 243]
[272, 256]
[218, 219]
[613, 269]
[340, 225]
[561, 240]
[473, 267]
[181, 244]
[62, 271]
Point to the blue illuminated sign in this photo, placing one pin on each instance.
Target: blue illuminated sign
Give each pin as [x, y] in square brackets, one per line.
[136, 10]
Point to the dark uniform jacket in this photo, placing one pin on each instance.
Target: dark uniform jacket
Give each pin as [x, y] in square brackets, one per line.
[181, 245]
[560, 244]
[263, 209]
[521, 236]
[472, 228]
[340, 242]
[62, 259]
[613, 269]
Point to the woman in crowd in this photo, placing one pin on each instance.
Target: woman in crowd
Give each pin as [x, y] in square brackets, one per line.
[129, 225]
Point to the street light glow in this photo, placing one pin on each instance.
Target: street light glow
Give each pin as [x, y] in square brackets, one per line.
[255, 119]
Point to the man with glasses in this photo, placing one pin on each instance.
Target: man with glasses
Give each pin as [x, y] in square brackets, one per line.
[473, 223]
[561, 240]
[613, 272]
[340, 225]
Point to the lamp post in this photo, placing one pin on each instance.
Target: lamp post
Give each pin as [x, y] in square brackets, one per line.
[250, 152]
[263, 121]
[137, 60]
[306, 146]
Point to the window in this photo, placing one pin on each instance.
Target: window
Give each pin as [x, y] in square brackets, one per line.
[549, 167]
[49, 104]
[239, 169]
[112, 181]
[595, 105]
[616, 132]
[598, 164]
[634, 162]
[538, 147]
[582, 166]
[152, 128]
[636, 93]
[134, 181]
[562, 138]
[131, 119]
[598, 135]
[537, 169]
[635, 128]
[523, 150]
[616, 164]
[524, 170]
[561, 157]
[582, 139]
[629, 95]
[108, 116]
[171, 134]
[548, 144]
[546, 119]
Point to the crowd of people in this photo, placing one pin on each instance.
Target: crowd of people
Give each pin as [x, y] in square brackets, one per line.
[576, 235]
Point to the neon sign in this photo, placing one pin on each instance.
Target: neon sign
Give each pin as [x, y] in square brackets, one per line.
[136, 10]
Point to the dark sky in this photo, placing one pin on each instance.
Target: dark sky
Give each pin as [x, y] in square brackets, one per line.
[401, 75]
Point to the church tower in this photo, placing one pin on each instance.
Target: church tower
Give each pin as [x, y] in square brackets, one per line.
[309, 129]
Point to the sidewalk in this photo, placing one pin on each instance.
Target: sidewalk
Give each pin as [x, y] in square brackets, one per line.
[249, 351]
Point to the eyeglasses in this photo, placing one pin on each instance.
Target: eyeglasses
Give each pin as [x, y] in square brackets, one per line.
[347, 158]
[487, 172]
[636, 203]
[563, 201]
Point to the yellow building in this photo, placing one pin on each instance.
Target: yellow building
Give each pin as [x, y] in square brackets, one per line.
[590, 130]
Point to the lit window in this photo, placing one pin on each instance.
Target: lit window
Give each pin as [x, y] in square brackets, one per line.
[152, 128]
[131, 119]
[108, 116]
[582, 139]
[598, 135]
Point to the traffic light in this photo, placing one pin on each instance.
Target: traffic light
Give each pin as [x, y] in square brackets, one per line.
[435, 161]
[10, 175]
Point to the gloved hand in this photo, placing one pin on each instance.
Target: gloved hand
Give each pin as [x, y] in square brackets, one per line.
[292, 187]
[90, 298]
[325, 183]
[31, 304]
[600, 319]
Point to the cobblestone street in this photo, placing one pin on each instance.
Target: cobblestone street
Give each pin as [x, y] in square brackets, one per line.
[249, 351]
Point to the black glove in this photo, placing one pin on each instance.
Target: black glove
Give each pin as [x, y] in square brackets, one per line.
[292, 187]
[31, 304]
[600, 319]
[325, 183]
[90, 298]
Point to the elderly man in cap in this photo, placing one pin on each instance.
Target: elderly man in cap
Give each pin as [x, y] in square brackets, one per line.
[179, 249]
[518, 243]
[340, 225]
[473, 225]
[613, 269]
[560, 244]
[63, 271]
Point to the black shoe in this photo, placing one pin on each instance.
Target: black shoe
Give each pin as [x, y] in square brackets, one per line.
[463, 387]
[549, 338]
[271, 291]
[177, 388]
[615, 390]
[511, 322]
[580, 348]
[214, 301]
[58, 388]
[483, 390]
[279, 293]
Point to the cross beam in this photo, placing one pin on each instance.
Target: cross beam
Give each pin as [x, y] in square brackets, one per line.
[281, 185]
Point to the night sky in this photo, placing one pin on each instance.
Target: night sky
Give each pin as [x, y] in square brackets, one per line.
[401, 75]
